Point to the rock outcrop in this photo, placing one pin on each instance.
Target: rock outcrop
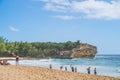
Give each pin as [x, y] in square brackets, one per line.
[81, 51]
[84, 50]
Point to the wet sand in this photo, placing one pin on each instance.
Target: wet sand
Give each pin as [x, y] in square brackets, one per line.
[11, 72]
[10, 58]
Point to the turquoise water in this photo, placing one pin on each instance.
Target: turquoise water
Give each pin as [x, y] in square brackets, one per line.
[108, 65]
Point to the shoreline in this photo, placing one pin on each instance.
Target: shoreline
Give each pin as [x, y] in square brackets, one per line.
[12, 72]
[29, 58]
[21, 58]
[10, 58]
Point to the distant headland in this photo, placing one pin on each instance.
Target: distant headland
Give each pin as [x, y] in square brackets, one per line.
[67, 49]
[83, 50]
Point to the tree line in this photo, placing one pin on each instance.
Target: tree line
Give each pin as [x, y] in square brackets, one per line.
[34, 49]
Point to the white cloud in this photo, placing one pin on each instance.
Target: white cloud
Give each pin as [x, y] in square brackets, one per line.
[53, 7]
[60, 2]
[64, 17]
[96, 9]
[13, 29]
[42, 0]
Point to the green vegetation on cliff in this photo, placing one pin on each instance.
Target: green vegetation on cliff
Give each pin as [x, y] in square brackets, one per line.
[34, 49]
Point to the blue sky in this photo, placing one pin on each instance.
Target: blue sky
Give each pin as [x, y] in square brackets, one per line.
[96, 22]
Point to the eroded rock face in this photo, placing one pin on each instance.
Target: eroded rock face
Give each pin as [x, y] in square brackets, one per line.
[84, 50]
[81, 51]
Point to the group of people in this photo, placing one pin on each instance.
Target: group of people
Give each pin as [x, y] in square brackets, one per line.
[4, 62]
[74, 69]
[89, 70]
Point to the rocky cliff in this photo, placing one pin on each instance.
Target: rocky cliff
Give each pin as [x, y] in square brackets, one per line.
[81, 51]
[84, 50]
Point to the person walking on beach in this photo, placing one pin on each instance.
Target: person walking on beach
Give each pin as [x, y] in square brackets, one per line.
[72, 68]
[50, 66]
[61, 67]
[17, 60]
[95, 72]
[88, 70]
[75, 69]
[65, 68]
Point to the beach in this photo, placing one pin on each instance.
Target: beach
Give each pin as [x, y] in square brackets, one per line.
[12, 72]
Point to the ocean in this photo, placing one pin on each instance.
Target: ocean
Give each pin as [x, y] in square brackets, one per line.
[107, 65]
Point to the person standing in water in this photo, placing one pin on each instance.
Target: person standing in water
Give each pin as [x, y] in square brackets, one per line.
[88, 70]
[72, 68]
[65, 68]
[61, 67]
[95, 72]
[50, 66]
[17, 60]
[75, 69]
